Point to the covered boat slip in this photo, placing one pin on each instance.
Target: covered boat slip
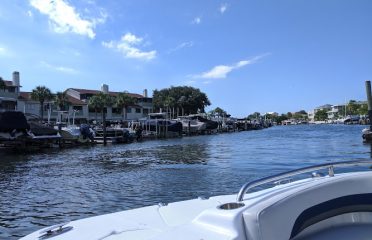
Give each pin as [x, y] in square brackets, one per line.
[331, 207]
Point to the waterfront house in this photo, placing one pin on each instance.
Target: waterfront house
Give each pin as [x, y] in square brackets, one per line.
[311, 113]
[333, 114]
[10, 93]
[136, 111]
[11, 98]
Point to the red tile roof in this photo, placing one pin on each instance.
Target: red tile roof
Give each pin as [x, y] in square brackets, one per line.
[75, 101]
[72, 100]
[25, 95]
[88, 91]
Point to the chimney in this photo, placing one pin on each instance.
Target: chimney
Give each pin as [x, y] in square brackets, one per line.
[145, 93]
[16, 79]
[16, 83]
[105, 88]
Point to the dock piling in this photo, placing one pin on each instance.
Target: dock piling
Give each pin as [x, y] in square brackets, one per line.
[369, 100]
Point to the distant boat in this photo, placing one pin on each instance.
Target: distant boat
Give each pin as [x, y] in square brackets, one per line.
[113, 135]
[210, 124]
[157, 122]
[192, 125]
[78, 134]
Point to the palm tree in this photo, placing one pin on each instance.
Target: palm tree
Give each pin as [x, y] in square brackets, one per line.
[123, 101]
[94, 102]
[61, 100]
[181, 102]
[41, 94]
[169, 103]
[104, 101]
[2, 84]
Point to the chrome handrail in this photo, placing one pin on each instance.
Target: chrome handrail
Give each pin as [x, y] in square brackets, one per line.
[279, 176]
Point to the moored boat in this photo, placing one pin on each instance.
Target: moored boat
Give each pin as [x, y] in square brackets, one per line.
[331, 206]
[77, 134]
[190, 125]
[13, 125]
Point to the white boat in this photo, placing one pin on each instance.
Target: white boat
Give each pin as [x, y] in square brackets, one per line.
[334, 206]
[192, 125]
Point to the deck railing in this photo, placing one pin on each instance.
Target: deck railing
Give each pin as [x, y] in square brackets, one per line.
[280, 176]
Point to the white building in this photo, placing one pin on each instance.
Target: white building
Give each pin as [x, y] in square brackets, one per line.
[136, 111]
[10, 93]
[11, 98]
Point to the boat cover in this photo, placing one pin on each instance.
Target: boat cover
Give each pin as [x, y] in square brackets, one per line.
[12, 120]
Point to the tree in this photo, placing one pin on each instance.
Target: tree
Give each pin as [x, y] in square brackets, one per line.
[303, 112]
[255, 115]
[352, 107]
[123, 101]
[300, 115]
[169, 103]
[220, 112]
[94, 102]
[41, 94]
[103, 101]
[321, 115]
[181, 103]
[61, 100]
[188, 98]
[281, 118]
[363, 109]
[2, 84]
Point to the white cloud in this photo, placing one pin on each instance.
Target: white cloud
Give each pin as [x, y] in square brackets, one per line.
[129, 45]
[221, 71]
[196, 20]
[59, 68]
[181, 46]
[64, 18]
[223, 8]
[29, 13]
[2, 50]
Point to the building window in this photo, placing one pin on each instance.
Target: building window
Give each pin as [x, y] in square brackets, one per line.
[92, 110]
[138, 110]
[145, 111]
[129, 110]
[116, 110]
[78, 108]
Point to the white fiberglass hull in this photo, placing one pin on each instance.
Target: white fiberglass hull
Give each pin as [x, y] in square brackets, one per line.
[194, 126]
[296, 210]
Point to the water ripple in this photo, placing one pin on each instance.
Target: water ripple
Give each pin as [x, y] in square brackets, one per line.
[56, 186]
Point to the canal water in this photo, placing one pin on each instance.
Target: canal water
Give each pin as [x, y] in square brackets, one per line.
[47, 188]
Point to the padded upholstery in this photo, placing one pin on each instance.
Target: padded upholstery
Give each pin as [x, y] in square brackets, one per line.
[275, 216]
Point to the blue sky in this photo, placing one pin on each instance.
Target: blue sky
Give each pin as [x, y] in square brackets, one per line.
[246, 55]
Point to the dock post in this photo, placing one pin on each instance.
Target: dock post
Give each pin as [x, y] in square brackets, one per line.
[104, 128]
[369, 100]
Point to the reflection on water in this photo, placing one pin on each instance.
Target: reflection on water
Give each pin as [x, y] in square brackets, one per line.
[47, 188]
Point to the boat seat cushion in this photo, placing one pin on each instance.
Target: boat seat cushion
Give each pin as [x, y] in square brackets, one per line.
[285, 214]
